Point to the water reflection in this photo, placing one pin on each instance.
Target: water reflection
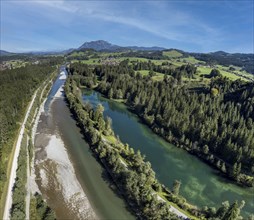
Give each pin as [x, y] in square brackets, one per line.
[200, 183]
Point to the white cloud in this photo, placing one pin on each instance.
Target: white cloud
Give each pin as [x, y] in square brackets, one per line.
[157, 18]
[171, 29]
[60, 5]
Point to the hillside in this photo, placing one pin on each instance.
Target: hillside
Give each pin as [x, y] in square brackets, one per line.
[234, 62]
[245, 61]
[101, 45]
[5, 53]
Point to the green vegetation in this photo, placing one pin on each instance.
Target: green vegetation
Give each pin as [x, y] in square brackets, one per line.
[172, 53]
[19, 189]
[191, 60]
[26, 153]
[153, 55]
[17, 87]
[152, 74]
[173, 57]
[39, 209]
[13, 105]
[200, 120]
[133, 177]
[17, 63]
[245, 61]
[188, 99]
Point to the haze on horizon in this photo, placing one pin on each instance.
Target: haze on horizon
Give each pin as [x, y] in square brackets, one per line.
[191, 26]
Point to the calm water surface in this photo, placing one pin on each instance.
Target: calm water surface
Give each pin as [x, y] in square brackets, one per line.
[91, 175]
[200, 183]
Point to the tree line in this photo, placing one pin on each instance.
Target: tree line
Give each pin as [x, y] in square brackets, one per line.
[214, 124]
[242, 60]
[133, 176]
[17, 87]
[38, 207]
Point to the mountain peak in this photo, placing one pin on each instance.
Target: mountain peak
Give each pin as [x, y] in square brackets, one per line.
[220, 52]
[99, 45]
[5, 53]
[104, 45]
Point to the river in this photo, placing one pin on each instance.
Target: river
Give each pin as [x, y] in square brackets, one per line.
[74, 184]
[201, 185]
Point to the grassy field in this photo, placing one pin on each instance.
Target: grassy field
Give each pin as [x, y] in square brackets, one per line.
[133, 59]
[236, 72]
[206, 71]
[76, 54]
[172, 54]
[191, 60]
[89, 62]
[158, 76]
[177, 60]
[108, 54]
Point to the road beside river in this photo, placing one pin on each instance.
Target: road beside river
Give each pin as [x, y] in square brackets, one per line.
[14, 166]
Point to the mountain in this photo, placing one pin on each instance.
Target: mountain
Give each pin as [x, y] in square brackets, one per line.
[5, 53]
[51, 52]
[219, 53]
[100, 45]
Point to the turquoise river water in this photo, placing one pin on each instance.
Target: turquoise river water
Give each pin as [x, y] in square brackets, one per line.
[201, 185]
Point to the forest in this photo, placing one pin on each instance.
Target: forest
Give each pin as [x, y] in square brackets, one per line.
[17, 87]
[134, 176]
[215, 124]
[38, 207]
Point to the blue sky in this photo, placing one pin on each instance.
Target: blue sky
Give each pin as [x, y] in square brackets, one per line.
[198, 26]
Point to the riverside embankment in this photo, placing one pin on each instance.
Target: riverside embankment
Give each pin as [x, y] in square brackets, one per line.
[68, 176]
[200, 183]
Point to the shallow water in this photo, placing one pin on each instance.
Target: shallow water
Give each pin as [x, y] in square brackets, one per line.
[54, 172]
[200, 183]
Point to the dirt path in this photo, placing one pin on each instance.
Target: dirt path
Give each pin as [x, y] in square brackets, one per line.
[172, 209]
[28, 184]
[28, 191]
[8, 202]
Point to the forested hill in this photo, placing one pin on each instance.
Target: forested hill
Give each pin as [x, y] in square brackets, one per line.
[246, 61]
[215, 123]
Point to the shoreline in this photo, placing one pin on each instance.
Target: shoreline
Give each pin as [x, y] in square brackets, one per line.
[194, 152]
[52, 169]
[187, 188]
[125, 166]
